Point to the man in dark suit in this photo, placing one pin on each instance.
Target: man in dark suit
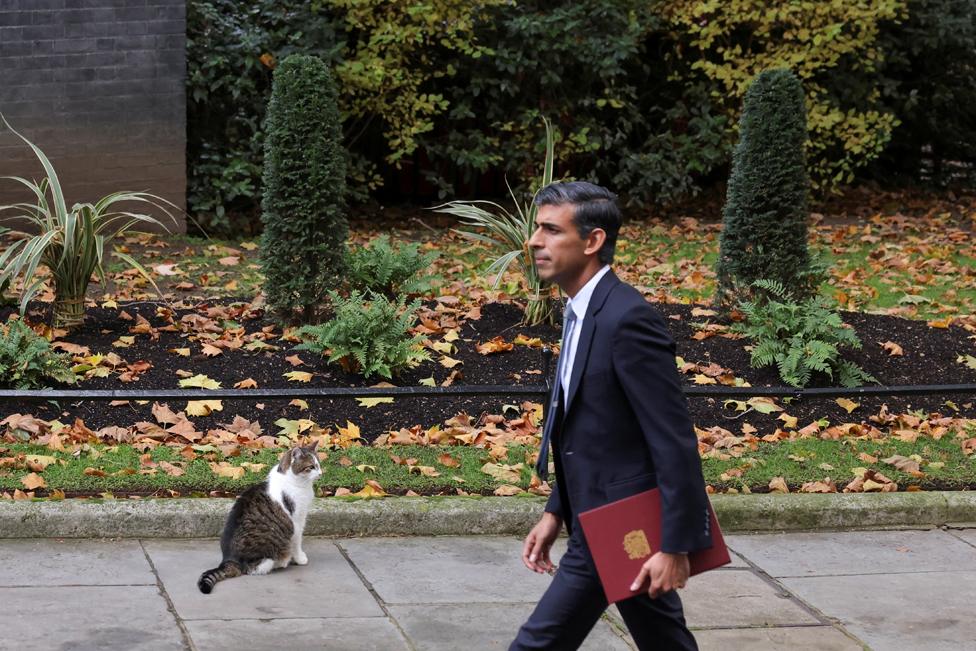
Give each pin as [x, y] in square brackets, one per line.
[618, 423]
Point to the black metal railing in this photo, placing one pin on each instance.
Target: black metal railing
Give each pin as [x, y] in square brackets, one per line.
[76, 395]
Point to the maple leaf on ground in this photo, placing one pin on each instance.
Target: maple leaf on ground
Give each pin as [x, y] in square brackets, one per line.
[163, 414]
[199, 382]
[224, 469]
[496, 345]
[186, 429]
[370, 490]
[33, 481]
[203, 407]
[348, 435]
[72, 349]
[242, 425]
[298, 376]
[373, 401]
[847, 404]
[905, 464]
[522, 340]
[826, 486]
[447, 460]
[115, 433]
[166, 270]
[507, 490]
[171, 469]
[894, 350]
[249, 383]
[294, 360]
[503, 473]
[778, 485]
[210, 350]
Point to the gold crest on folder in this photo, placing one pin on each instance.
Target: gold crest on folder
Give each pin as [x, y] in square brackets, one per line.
[636, 545]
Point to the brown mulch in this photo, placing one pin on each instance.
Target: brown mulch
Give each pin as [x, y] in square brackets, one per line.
[929, 357]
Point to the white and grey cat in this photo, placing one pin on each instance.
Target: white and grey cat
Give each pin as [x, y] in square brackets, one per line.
[264, 528]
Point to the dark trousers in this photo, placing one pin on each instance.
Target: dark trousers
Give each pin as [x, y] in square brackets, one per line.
[574, 602]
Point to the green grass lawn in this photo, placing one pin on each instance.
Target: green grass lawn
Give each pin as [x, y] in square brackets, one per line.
[115, 469]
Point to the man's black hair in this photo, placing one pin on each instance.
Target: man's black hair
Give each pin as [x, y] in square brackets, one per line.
[593, 207]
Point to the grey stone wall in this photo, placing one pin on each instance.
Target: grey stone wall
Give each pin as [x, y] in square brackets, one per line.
[99, 86]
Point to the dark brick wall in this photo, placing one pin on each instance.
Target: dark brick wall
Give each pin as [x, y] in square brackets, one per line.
[99, 86]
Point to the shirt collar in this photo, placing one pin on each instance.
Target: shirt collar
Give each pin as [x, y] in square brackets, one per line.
[581, 301]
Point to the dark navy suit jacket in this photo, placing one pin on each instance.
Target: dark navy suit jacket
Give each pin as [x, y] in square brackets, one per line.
[624, 426]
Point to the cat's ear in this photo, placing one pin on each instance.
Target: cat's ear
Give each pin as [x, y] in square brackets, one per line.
[285, 462]
[311, 448]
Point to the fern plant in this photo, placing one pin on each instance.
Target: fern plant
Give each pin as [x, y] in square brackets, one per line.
[27, 360]
[380, 267]
[368, 336]
[801, 338]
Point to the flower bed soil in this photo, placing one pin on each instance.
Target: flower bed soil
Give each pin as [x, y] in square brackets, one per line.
[929, 357]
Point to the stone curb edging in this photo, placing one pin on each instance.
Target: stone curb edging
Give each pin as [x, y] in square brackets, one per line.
[204, 517]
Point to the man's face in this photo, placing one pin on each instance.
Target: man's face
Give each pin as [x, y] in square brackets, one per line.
[560, 254]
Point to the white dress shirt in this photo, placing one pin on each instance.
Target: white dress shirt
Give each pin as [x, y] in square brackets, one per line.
[578, 304]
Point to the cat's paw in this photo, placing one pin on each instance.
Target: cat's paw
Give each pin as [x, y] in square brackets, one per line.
[283, 562]
[263, 567]
[300, 558]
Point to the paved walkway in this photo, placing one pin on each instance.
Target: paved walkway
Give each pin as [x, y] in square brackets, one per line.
[884, 590]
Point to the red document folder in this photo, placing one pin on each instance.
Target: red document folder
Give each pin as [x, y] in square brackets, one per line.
[622, 535]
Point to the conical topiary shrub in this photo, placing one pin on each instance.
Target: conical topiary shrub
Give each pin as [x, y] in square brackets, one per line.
[303, 209]
[764, 222]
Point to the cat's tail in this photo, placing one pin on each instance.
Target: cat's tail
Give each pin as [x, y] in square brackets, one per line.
[226, 570]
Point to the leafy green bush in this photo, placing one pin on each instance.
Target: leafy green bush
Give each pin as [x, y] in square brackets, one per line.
[801, 338]
[380, 267]
[368, 336]
[231, 51]
[929, 82]
[27, 360]
[303, 209]
[764, 222]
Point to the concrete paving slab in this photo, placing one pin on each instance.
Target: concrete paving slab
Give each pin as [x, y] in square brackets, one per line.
[802, 638]
[130, 618]
[73, 562]
[966, 535]
[482, 626]
[737, 562]
[345, 634]
[855, 552]
[733, 598]
[446, 569]
[727, 598]
[326, 587]
[931, 610]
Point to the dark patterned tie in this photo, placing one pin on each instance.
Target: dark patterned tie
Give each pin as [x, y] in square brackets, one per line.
[542, 464]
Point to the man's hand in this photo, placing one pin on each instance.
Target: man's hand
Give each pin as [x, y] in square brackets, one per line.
[535, 551]
[667, 571]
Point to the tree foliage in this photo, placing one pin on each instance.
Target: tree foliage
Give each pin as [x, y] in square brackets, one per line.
[832, 47]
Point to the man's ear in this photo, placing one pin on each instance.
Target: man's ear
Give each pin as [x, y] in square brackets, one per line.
[594, 241]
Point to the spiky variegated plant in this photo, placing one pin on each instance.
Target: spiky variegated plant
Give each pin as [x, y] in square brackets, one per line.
[69, 242]
[509, 234]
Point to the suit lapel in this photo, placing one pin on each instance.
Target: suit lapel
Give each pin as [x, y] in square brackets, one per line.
[599, 297]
